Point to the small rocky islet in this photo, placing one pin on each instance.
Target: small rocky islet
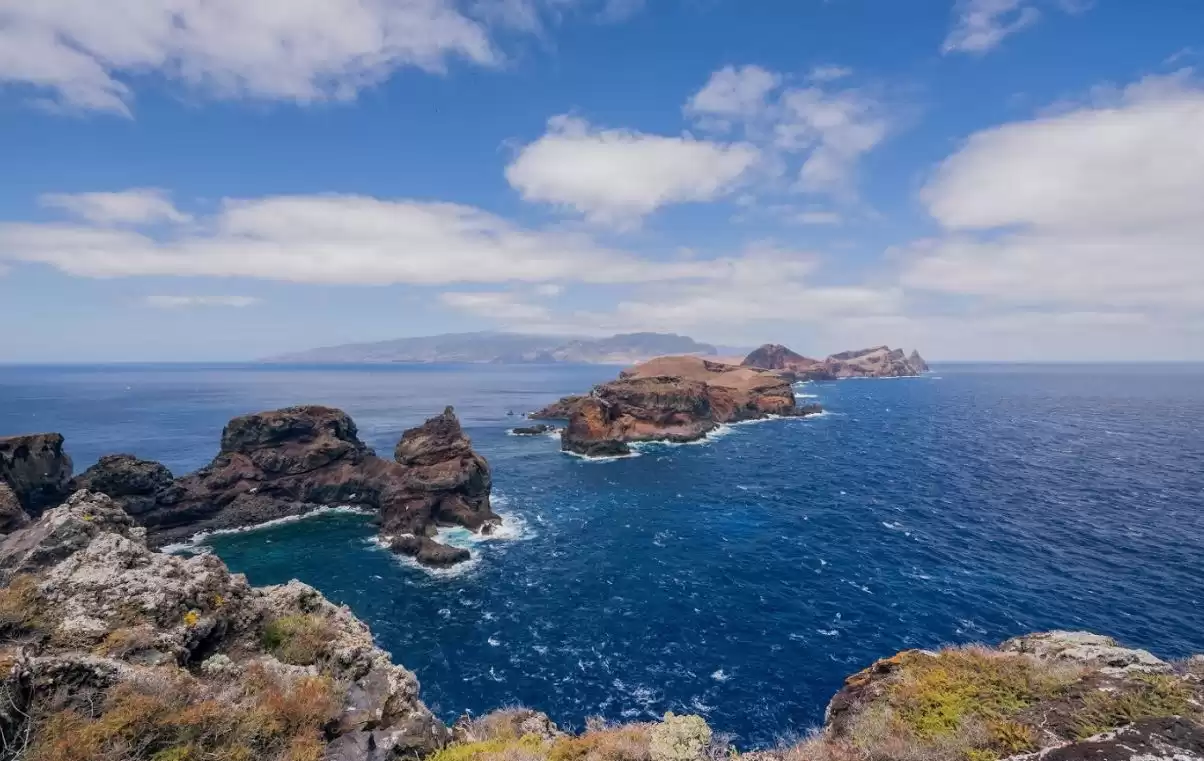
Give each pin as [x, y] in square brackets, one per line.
[114, 651]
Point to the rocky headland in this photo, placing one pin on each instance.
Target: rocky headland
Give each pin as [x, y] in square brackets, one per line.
[289, 462]
[876, 362]
[673, 399]
[112, 651]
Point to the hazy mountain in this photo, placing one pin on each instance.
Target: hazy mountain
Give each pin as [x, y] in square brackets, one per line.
[506, 348]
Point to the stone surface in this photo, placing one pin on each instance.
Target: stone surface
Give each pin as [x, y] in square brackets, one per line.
[97, 579]
[141, 485]
[676, 399]
[36, 469]
[1086, 648]
[533, 430]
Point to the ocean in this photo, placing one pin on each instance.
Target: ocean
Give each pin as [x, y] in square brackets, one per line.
[742, 578]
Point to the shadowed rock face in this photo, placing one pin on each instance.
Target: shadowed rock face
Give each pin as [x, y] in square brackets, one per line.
[675, 399]
[288, 462]
[793, 365]
[37, 470]
[12, 516]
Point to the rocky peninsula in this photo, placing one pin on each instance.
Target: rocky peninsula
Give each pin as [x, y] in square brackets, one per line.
[876, 362]
[673, 399]
[114, 652]
[274, 465]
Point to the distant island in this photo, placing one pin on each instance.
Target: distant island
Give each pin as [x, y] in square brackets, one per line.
[512, 348]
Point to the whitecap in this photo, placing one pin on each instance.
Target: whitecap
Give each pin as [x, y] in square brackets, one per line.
[720, 676]
[494, 641]
[828, 632]
[607, 458]
[459, 569]
[892, 526]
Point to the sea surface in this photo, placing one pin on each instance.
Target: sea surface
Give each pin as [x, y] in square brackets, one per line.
[742, 578]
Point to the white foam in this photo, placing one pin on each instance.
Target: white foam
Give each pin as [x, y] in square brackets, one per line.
[452, 571]
[828, 632]
[720, 676]
[193, 542]
[607, 458]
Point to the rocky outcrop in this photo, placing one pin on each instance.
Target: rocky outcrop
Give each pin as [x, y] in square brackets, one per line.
[291, 461]
[100, 627]
[1094, 650]
[877, 362]
[37, 470]
[533, 430]
[1169, 738]
[674, 399]
[562, 409]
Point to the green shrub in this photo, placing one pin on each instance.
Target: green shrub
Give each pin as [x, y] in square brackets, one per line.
[1150, 696]
[300, 639]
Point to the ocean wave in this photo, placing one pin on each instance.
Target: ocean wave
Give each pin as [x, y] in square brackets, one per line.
[606, 458]
[195, 542]
[450, 572]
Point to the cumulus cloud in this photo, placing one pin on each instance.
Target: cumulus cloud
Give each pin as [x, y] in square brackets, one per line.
[1095, 207]
[328, 239]
[181, 302]
[130, 207]
[82, 53]
[619, 175]
[822, 130]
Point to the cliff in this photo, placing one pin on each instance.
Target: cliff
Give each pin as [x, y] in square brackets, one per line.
[876, 362]
[675, 399]
[288, 462]
[114, 652]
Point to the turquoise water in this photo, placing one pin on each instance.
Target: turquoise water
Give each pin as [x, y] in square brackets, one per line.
[742, 578]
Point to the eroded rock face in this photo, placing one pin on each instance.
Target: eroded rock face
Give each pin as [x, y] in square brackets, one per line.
[561, 409]
[676, 399]
[290, 461]
[37, 470]
[1161, 739]
[110, 612]
[533, 430]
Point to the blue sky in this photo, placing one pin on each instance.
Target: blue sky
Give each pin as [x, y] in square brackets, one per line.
[982, 179]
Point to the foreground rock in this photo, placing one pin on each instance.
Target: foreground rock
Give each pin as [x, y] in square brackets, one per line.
[289, 462]
[673, 399]
[36, 469]
[115, 651]
[878, 362]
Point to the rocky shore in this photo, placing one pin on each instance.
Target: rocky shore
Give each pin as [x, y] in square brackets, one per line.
[274, 465]
[114, 652]
[673, 399]
[877, 362]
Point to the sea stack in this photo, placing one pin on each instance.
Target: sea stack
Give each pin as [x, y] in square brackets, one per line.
[674, 399]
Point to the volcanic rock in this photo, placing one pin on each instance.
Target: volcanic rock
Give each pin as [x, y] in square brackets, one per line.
[291, 461]
[917, 362]
[533, 430]
[558, 410]
[37, 470]
[789, 363]
[877, 362]
[104, 613]
[674, 399]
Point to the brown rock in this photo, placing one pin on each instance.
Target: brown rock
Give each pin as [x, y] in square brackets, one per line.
[12, 516]
[559, 410]
[36, 469]
[793, 365]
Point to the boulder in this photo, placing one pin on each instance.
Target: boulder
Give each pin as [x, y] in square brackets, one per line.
[37, 470]
[1086, 648]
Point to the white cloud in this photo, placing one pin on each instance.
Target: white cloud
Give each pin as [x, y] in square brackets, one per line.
[981, 25]
[499, 306]
[132, 207]
[821, 131]
[829, 73]
[180, 302]
[333, 239]
[734, 92]
[618, 175]
[1097, 208]
[82, 51]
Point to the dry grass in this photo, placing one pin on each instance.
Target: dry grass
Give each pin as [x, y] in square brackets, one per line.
[178, 719]
[600, 742]
[20, 606]
[124, 642]
[493, 738]
[1150, 696]
[501, 724]
[301, 640]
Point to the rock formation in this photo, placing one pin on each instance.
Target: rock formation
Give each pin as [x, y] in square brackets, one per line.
[878, 362]
[675, 399]
[561, 409]
[288, 462]
[12, 515]
[37, 470]
[533, 430]
[115, 651]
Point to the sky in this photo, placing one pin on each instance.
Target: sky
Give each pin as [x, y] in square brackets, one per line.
[979, 179]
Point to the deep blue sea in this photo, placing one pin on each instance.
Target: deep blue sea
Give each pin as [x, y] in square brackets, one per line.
[742, 578]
